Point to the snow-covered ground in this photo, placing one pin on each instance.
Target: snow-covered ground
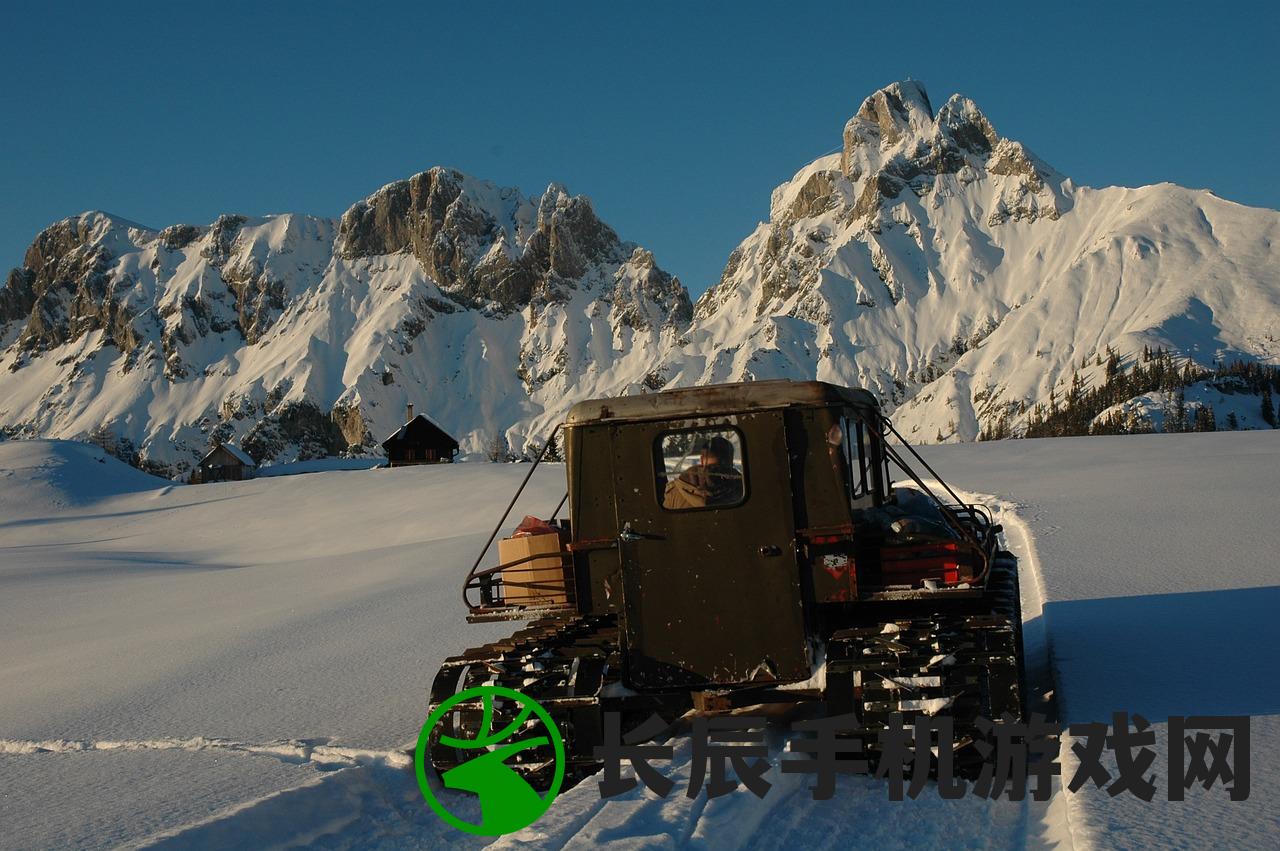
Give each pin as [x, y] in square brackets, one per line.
[247, 663]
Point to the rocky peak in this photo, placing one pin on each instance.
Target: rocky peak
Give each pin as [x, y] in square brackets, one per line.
[897, 110]
[485, 246]
[646, 296]
[899, 161]
[576, 236]
[894, 141]
[222, 235]
[63, 289]
[177, 237]
[962, 122]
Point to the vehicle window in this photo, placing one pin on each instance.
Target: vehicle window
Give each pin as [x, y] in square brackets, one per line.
[847, 447]
[856, 445]
[700, 468]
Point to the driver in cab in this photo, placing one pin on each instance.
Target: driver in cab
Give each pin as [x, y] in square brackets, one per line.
[712, 482]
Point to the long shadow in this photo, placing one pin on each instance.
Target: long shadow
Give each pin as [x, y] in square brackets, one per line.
[76, 518]
[1197, 653]
[53, 545]
[110, 565]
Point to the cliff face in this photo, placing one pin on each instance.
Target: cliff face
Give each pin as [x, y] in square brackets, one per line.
[301, 336]
[485, 249]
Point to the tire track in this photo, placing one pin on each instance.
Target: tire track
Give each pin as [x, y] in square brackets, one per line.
[296, 751]
[1054, 817]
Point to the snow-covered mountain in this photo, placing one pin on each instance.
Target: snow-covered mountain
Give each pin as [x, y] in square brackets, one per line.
[961, 278]
[944, 267]
[299, 336]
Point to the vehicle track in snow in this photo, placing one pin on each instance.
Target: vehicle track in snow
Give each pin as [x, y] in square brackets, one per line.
[316, 752]
[1049, 824]
[860, 814]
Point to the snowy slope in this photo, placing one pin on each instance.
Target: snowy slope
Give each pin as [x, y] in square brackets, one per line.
[937, 263]
[301, 337]
[933, 261]
[246, 663]
[956, 274]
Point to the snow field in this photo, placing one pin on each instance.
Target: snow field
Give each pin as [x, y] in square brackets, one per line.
[246, 664]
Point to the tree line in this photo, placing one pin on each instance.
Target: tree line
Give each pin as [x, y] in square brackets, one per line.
[1077, 411]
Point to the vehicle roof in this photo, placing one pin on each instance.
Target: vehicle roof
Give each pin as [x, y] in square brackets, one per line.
[714, 399]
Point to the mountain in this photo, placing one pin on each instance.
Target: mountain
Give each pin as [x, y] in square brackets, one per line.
[962, 278]
[300, 336]
[947, 268]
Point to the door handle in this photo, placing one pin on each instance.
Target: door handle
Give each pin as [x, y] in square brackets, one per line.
[629, 535]
[770, 551]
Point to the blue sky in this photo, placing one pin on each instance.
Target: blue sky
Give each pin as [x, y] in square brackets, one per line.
[677, 119]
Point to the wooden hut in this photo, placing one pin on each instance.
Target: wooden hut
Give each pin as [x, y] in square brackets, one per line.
[226, 463]
[419, 441]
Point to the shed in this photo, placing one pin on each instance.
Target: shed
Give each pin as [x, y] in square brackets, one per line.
[419, 441]
[226, 463]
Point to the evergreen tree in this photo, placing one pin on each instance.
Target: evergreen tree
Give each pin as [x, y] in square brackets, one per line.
[1179, 413]
[102, 438]
[1113, 364]
[498, 450]
[1268, 411]
[1079, 410]
[1204, 419]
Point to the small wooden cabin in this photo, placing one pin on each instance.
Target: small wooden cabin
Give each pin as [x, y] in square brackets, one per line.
[419, 441]
[226, 463]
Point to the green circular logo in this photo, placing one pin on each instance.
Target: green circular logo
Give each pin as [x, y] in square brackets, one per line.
[507, 801]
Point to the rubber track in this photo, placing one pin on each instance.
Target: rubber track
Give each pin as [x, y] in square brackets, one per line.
[967, 667]
[563, 664]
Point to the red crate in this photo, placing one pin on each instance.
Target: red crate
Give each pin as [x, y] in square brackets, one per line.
[912, 564]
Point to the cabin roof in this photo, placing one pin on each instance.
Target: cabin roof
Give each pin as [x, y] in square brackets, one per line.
[402, 432]
[234, 451]
[714, 399]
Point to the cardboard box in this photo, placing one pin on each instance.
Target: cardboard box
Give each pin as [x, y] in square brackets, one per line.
[549, 572]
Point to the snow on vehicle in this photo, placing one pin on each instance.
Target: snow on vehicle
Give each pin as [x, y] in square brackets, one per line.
[743, 545]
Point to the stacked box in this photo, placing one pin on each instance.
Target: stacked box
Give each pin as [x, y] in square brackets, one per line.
[546, 573]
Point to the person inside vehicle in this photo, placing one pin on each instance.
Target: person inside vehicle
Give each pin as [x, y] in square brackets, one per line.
[712, 482]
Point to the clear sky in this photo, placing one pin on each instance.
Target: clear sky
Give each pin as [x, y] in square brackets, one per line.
[677, 119]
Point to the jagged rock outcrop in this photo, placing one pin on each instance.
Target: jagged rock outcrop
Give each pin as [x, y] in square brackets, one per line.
[63, 290]
[300, 336]
[485, 248]
[961, 278]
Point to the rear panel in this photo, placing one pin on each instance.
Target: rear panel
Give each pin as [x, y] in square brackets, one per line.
[712, 593]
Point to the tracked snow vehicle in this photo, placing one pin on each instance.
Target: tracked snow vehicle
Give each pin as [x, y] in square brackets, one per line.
[742, 545]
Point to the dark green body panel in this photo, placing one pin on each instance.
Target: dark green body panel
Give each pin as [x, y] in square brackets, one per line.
[716, 596]
[710, 595]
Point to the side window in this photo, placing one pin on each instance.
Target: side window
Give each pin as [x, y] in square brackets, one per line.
[700, 468]
[858, 458]
[850, 440]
